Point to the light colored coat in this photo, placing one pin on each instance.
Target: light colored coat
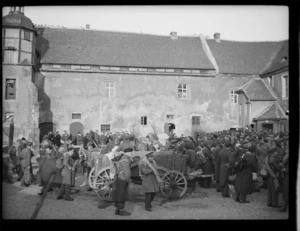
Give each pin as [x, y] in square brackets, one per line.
[150, 183]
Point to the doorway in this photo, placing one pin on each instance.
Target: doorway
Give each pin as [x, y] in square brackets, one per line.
[195, 125]
[268, 128]
[75, 128]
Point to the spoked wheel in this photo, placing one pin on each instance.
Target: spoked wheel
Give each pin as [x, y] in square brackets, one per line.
[102, 182]
[173, 184]
[92, 176]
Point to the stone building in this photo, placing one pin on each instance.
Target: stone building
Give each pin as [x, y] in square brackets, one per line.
[82, 79]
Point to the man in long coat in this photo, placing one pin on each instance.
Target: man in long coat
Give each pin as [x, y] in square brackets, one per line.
[25, 161]
[47, 167]
[69, 167]
[223, 163]
[21, 146]
[245, 167]
[207, 167]
[150, 184]
[215, 152]
[121, 183]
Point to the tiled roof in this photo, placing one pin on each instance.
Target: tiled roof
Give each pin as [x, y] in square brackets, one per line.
[243, 57]
[17, 19]
[273, 111]
[91, 47]
[257, 90]
[280, 60]
[258, 107]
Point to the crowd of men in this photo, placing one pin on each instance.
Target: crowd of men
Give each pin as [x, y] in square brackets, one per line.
[240, 161]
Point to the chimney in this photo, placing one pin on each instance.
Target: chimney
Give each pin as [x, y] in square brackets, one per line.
[87, 26]
[173, 35]
[217, 37]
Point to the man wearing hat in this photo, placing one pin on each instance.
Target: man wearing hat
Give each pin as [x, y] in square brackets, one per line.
[119, 192]
[25, 161]
[21, 146]
[151, 179]
[223, 164]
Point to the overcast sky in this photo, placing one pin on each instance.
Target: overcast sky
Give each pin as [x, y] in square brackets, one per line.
[240, 23]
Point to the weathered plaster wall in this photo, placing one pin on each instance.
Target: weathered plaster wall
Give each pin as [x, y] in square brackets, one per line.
[25, 106]
[154, 96]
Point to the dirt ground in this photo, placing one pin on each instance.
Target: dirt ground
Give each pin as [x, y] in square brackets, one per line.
[19, 203]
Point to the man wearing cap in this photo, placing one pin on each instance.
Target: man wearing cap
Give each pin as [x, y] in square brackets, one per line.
[151, 179]
[119, 192]
[69, 166]
[25, 161]
[223, 165]
[21, 146]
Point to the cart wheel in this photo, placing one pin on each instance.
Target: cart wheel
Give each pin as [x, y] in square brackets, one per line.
[92, 176]
[161, 171]
[102, 182]
[173, 184]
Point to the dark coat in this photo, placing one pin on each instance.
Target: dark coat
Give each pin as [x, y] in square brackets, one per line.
[222, 163]
[207, 167]
[121, 183]
[243, 181]
[57, 139]
[215, 154]
[47, 167]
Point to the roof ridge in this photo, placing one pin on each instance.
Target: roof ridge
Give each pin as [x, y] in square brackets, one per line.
[112, 31]
[238, 41]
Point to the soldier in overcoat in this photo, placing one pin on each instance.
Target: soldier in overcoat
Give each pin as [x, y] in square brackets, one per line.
[69, 166]
[223, 163]
[207, 167]
[150, 184]
[25, 161]
[121, 183]
[245, 167]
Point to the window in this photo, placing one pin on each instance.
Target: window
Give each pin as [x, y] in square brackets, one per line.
[182, 91]
[110, 89]
[270, 80]
[26, 35]
[105, 128]
[196, 120]
[144, 120]
[284, 81]
[9, 116]
[170, 117]
[10, 89]
[233, 97]
[76, 116]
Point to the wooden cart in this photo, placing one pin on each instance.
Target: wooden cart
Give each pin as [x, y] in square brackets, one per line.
[172, 170]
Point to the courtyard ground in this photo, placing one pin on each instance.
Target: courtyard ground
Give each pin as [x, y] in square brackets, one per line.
[207, 204]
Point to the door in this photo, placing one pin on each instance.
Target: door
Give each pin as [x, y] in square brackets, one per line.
[45, 128]
[268, 128]
[195, 125]
[75, 128]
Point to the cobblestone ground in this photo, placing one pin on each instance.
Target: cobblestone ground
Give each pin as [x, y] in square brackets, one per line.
[19, 203]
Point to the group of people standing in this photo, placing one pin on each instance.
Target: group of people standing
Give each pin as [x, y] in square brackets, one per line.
[226, 158]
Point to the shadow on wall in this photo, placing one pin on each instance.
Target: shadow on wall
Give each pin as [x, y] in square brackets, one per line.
[45, 113]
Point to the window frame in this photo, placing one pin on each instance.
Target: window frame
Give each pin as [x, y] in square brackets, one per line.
[144, 120]
[103, 128]
[234, 97]
[6, 116]
[109, 88]
[76, 113]
[284, 78]
[27, 36]
[196, 120]
[182, 90]
[14, 87]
